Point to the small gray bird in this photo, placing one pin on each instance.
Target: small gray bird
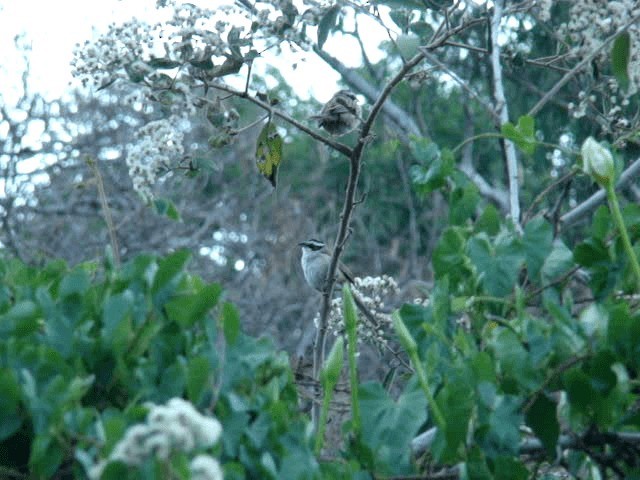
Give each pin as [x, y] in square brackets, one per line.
[315, 264]
[341, 114]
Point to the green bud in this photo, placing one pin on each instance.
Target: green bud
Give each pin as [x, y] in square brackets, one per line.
[597, 162]
[349, 308]
[333, 365]
[403, 334]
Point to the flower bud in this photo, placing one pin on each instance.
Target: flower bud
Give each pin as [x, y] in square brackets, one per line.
[403, 334]
[597, 162]
[333, 365]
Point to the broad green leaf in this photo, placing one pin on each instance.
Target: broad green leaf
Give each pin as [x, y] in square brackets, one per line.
[10, 419]
[559, 261]
[620, 55]
[509, 468]
[391, 425]
[22, 319]
[75, 282]
[449, 257]
[46, 456]
[497, 263]
[489, 221]
[522, 134]
[327, 23]
[269, 152]
[189, 309]
[199, 378]
[455, 400]
[230, 322]
[166, 208]
[543, 420]
[116, 319]
[502, 437]
[434, 169]
[537, 240]
[170, 271]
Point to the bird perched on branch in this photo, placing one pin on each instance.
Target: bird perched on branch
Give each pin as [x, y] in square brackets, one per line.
[341, 114]
[315, 262]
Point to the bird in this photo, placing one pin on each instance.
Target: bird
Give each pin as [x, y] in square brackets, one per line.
[341, 114]
[315, 261]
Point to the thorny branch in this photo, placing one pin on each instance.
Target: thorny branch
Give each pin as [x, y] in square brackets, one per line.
[355, 163]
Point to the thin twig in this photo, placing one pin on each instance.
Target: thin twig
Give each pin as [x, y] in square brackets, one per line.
[575, 214]
[337, 146]
[106, 211]
[579, 66]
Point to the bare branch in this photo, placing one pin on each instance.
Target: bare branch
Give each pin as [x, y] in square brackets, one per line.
[575, 214]
[503, 113]
[579, 66]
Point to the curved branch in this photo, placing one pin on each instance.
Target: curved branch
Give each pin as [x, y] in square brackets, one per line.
[337, 146]
[355, 163]
[586, 207]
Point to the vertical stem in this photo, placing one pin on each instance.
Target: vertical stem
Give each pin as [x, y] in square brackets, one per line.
[106, 211]
[351, 323]
[617, 216]
[503, 114]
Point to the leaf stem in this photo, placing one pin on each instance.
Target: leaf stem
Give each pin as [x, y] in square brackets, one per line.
[617, 216]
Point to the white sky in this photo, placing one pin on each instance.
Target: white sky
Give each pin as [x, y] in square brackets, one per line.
[53, 27]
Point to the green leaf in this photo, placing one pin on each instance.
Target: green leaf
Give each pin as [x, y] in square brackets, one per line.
[163, 63]
[170, 271]
[489, 221]
[435, 167]
[21, 320]
[327, 23]
[116, 318]
[620, 55]
[509, 468]
[166, 208]
[199, 378]
[10, 419]
[75, 282]
[269, 152]
[455, 400]
[46, 456]
[498, 264]
[543, 420]
[523, 134]
[559, 261]
[230, 322]
[391, 425]
[189, 309]
[537, 240]
[449, 258]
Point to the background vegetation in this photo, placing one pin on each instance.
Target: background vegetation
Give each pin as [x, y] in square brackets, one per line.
[147, 258]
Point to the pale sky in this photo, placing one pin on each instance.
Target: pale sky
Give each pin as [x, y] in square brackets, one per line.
[52, 29]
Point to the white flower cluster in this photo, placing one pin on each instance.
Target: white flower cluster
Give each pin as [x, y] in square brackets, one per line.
[544, 9]
[159, 143]
[187, 34]
[371, 292]
[176, 426]
[592, 22]
[100, 62]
